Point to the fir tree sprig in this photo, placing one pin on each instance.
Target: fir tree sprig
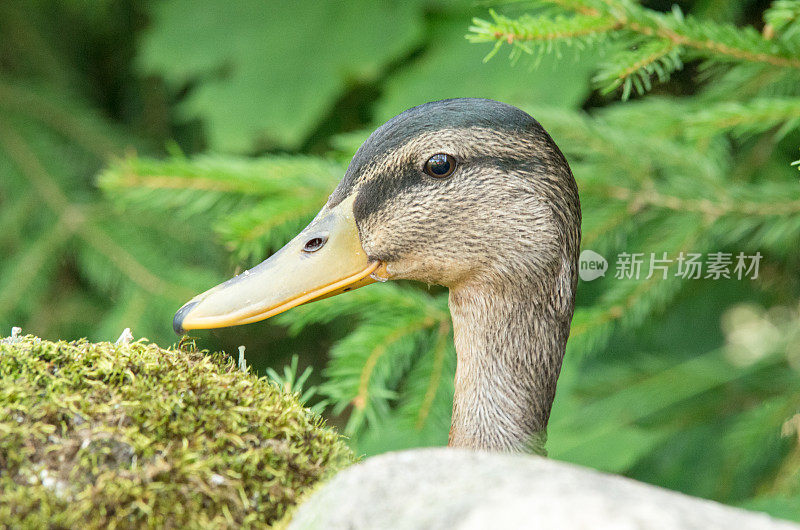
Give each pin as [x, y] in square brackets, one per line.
[539, 35]
[370, 364]
[293, 382]
[634, 68]
[46, 151]
[783, 18]
[257, 203]
[742, 119]
[645, 42]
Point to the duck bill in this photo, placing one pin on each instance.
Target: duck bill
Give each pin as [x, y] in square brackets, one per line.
[325, 259]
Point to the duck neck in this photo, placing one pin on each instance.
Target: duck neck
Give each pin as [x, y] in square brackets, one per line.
[509, 347]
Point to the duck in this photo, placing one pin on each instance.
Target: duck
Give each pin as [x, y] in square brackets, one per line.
[471, 194]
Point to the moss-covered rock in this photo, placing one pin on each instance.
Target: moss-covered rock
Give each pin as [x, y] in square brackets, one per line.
[103, 435]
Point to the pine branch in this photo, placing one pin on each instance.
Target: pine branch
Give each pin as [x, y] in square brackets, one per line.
[208, 181]
[707, 39]
[783, 20]
[30, 166]
[440, 349]
[625, 304]
[747, 81]
[746, 202]
[369, 364]
[49, 152]
[539, 35]
[694, 125]
[74, 218]
[744, 119]
[656, 418]
[606, 149]
[294, 383]
[719, 42]
[392, 337]
[255, 229]
[633, 68]
[20, 273]
[569, 435]
[255, 205]
[130, 266]
[77, 125]
[13, 216]
[530, 29]
[648, 42]
[425, 404]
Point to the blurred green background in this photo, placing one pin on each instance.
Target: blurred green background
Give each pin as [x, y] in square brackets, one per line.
[216, 129]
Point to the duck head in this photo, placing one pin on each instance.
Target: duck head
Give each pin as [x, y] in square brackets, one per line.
[471, 194]
[459, 193]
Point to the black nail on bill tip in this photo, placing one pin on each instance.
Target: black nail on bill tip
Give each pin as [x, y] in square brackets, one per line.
[177, 320]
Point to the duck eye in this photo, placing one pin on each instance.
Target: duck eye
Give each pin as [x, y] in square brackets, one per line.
[440, 165]
[315, 243]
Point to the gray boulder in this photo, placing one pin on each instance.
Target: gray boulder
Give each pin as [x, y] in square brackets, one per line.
[457, 489]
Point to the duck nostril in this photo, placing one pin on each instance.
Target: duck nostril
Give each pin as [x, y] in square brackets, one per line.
[315, 243]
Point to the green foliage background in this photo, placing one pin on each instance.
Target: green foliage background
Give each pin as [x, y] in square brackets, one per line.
[219, 128]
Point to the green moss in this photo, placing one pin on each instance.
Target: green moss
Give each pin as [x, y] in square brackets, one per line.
[100, 435]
